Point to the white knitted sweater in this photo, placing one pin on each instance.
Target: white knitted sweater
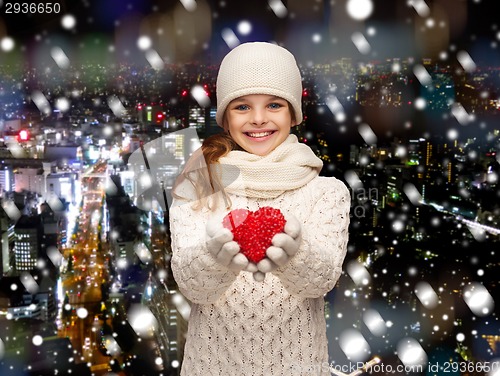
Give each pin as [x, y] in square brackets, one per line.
[240, 327]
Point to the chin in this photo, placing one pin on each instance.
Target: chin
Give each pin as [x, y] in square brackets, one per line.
[260, 151]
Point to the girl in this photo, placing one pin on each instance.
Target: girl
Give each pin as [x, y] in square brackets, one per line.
[267, 318]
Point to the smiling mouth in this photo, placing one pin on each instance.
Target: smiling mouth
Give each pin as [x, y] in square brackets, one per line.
[259, 134]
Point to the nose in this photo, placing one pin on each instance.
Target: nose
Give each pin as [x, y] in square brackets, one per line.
[259, 116]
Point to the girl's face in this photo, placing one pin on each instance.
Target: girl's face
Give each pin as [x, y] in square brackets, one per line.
[258, 123]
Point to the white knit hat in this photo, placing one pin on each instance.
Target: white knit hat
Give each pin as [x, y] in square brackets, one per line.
[259, 68]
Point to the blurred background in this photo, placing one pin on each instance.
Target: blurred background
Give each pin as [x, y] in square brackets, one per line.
[102, 102]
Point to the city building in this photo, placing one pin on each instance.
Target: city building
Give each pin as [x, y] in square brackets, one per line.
[30, 179]
[20, 303]
[6, 242]
[7, 183]
[27, 244]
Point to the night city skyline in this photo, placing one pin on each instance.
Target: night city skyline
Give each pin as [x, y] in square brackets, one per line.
[102, 103]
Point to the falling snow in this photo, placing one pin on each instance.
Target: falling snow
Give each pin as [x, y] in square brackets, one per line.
[278, 8]
[354, 345]
[116, 106]
[367, 133]
[422, 75]
[154, 59]
[60, 57]
[336, 108]
[200, 95]
[375, 323]
[361, 43]
[144, 42]
[420, 7]
[411, 353]
[419, 282]
[190, 5]
[142, 321]
[478, 299]
[244, 27]
[7, 44]
[466, 61]
[41, 101]
[230, 38]
[68, 21]
[426, 295]
[359, 9]
[459, 112]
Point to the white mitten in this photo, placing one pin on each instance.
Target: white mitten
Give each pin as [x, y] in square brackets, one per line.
[285, 246]
[257, 274]
[221, 246]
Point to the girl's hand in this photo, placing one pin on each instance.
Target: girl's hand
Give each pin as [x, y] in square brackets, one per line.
[285, 246]
[221, 246]
[257, 275]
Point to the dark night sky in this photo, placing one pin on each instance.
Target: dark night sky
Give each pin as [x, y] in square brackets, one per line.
[481, 13]
[472, 25]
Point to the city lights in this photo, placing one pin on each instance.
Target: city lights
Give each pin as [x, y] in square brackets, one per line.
[102, 105]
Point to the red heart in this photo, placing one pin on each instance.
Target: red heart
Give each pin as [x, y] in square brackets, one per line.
[254, 231]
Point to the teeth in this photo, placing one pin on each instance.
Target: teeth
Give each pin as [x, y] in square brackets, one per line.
[260, 134]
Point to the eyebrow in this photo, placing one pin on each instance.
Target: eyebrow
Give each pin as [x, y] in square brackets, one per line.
[238, 100]
[272, 98]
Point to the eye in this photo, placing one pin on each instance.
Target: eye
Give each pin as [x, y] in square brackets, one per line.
[275, 105]
[241, 107]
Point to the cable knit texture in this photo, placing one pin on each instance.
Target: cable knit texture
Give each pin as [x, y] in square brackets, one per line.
[276, 327]
[290, 166]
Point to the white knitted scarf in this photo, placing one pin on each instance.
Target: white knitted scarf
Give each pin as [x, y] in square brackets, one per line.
[290, 166]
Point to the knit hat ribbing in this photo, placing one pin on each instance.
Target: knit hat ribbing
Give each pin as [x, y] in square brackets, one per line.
[259, 68]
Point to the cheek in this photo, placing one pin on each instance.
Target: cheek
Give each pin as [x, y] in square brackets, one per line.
[232, 124]
[225, 125]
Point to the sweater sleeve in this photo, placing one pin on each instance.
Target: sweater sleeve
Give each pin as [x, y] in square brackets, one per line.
[200, 278]
[317, 266]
